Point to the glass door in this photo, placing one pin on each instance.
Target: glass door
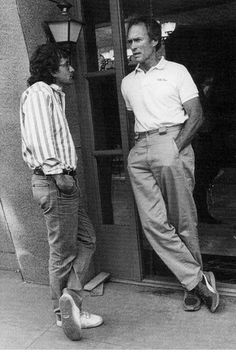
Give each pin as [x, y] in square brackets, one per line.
[107, 149]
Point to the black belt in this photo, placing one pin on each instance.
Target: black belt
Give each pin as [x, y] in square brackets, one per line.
[39, 171]
[162, 130]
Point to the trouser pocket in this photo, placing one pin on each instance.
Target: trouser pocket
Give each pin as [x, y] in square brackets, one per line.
[41, 191]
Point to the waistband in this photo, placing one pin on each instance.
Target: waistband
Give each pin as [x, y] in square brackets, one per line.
[39, 171]
[161, 130]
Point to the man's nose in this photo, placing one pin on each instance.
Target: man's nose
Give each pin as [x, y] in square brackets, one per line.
[72, 69]
[133, 45]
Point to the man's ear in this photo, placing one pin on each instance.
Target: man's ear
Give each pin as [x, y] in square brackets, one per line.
[155, 42]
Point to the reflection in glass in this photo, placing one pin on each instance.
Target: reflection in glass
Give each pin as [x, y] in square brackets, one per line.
[98, 34]
[113, 190]
[106, 123]
[106, 59]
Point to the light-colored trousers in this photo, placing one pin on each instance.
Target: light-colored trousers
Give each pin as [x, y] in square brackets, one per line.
[162, 179]
[71, 236]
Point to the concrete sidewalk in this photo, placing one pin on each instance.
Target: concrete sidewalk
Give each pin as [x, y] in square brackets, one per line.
[136, 317]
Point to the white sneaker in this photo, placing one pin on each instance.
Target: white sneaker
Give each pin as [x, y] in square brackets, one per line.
[70, 317]
[89, 320]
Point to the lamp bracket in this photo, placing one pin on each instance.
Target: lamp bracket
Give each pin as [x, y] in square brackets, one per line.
[63, 5]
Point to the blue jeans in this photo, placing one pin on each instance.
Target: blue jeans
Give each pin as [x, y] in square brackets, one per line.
[71, 235]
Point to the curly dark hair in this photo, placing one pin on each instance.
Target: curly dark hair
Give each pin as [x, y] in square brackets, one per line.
[153, 27]
[45, 61]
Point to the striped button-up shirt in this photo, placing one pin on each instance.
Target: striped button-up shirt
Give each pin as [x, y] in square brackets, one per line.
[46, 138]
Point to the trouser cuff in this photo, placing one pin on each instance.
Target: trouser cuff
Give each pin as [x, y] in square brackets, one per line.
[195, 282]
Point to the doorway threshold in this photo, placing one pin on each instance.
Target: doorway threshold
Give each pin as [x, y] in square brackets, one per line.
[224, 289]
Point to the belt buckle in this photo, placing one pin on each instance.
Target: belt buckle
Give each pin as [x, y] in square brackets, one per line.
[162, 130]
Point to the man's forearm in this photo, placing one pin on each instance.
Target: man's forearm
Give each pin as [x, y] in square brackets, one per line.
[194, 110]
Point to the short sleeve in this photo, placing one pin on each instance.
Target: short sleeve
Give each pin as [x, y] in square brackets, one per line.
[126, 99]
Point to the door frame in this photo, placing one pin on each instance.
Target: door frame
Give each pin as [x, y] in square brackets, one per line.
[118, 247]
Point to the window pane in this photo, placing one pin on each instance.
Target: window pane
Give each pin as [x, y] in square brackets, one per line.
[106, 123]
[105, 50]
[100, 54]
[113, 190]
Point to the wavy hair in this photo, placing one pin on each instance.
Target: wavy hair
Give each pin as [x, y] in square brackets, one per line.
[45, 61]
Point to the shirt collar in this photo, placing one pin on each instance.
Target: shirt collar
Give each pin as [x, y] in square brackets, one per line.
[160, 66]
[57, 88]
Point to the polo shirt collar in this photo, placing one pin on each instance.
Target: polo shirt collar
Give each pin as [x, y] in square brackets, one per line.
[160, 66]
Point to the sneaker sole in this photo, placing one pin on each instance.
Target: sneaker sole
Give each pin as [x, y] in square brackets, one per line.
[92, 326]
[191, 308]
[77, 299]
[210, 276]
[59, 324]
[70, 324]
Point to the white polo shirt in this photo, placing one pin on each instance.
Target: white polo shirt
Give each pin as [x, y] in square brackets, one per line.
[157, 96]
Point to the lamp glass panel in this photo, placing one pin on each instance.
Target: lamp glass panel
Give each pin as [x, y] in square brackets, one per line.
[75, 28]
[59, 31]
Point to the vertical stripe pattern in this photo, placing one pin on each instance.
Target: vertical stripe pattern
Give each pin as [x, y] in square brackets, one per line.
[46, 138]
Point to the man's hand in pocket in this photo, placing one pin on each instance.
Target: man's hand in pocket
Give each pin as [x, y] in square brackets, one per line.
[65, 183]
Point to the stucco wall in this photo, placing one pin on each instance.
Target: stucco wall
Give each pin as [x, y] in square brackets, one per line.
[22, 216]
[20, 33]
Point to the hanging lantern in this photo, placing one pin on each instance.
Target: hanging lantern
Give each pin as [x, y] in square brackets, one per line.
[65, 29]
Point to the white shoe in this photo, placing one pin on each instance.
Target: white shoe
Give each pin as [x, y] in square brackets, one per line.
[70, 317]
[87, 320]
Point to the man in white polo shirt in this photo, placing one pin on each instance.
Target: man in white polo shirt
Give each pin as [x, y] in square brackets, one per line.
[162, 99]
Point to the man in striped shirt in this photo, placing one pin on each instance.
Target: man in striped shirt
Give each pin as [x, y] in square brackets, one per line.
[48, 149]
